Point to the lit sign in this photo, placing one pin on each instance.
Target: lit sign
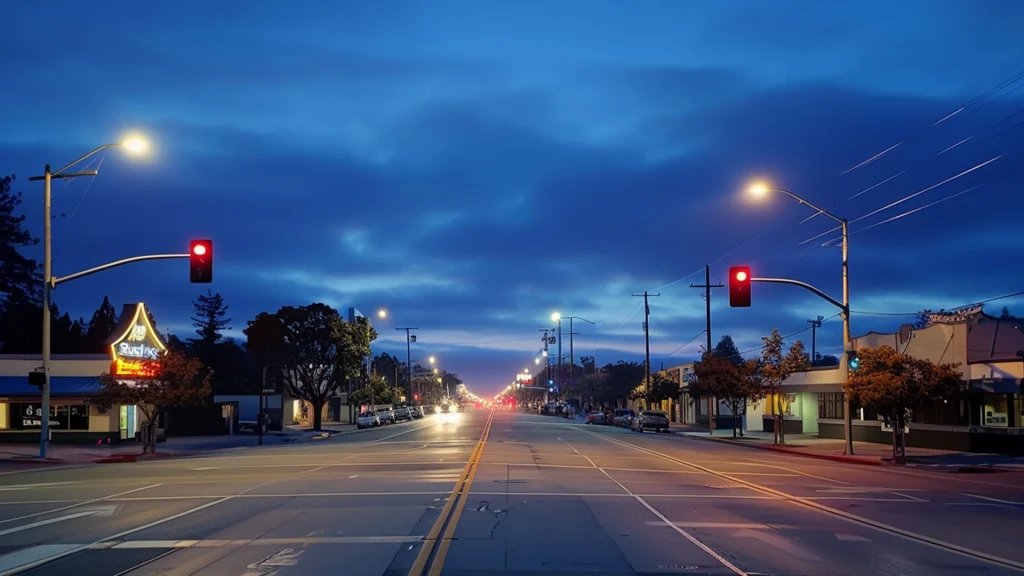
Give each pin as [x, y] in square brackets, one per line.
[136, 351]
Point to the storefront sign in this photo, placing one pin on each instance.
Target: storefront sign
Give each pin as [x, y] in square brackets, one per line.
[29, 416]
[136, 352]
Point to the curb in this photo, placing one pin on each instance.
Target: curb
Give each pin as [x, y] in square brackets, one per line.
[35, 460]
[787, 450]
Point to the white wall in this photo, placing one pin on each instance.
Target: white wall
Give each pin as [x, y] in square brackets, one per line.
[88, 365]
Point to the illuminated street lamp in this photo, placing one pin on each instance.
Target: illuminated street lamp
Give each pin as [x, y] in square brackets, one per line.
[135, 146]
[432, 360]
[382, 313]
[762, 188]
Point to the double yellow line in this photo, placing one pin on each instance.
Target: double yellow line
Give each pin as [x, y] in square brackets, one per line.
[430, 560]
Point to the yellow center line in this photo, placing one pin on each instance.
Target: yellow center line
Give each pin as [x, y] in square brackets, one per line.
[453, 510]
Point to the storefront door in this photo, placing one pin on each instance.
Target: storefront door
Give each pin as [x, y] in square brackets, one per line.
[128, 422]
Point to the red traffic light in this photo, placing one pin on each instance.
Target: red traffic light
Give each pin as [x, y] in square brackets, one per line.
[200, 260]
[739, 286]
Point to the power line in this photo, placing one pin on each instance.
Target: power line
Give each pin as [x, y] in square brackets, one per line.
[688, 342]
[985, 301]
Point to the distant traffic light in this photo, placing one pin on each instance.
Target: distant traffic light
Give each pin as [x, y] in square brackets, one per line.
[200, 260]
[852, 360]
[739, 286]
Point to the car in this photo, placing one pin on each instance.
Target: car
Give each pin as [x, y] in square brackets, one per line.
[367, 420]
[402, 413]
[623, 417]
[595, 417]
[416, 412]
[651, 420]
[387, 416]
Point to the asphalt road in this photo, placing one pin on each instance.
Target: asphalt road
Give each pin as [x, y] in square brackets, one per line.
[538, 494]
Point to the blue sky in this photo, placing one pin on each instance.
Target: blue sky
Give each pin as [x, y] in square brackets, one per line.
[474, 166]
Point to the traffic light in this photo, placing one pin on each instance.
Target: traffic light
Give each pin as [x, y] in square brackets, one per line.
[739, 286]
[852, 360]
[37, 378]
[200, 260]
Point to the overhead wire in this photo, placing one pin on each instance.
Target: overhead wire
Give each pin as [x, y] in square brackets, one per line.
[985, 301]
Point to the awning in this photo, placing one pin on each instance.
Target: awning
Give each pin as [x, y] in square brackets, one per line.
[59, 386]
[996, 385]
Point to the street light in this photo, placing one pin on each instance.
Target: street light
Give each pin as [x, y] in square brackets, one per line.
[134, 145]
[762, 189]
[536, 360]
[382, 313]
[431, 360]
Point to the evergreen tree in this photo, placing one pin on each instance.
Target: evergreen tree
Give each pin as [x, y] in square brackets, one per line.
[100, 327]
[210, 319]
[726, 349]
[20, 281]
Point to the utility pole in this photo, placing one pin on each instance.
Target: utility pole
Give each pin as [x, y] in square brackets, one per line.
[647, 331]
[409, 339]
[707, 286]
[815, 324]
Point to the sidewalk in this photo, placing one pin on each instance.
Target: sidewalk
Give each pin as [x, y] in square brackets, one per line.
[176, 447]
[866, 453]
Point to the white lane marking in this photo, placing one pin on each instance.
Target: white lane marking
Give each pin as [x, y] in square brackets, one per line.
[85, 503]
[34, 470]
[164, 544]
[721, 560]
[990, 499]
[14, 562]
[64, 553]
[908, 496]
[201, 468]
[777, 542]
[34, 486]
[853, 518]
[269, 565]
[770, 474]
[321, 467]
[353, 476]
[800, 472]
[47, 522]
[851, 537]
[407, 432]
[726, 525]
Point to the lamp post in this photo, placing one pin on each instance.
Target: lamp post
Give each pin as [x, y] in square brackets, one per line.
[556, 317]
[761, 189]
[131, 145]
[409, 339]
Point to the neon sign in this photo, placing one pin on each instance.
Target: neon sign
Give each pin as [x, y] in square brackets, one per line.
[136, 351]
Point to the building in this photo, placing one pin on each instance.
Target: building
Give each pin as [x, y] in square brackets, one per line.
[134, 346]
[985, 418]
[693, 411]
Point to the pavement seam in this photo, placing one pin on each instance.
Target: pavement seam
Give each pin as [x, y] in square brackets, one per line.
[879, 526]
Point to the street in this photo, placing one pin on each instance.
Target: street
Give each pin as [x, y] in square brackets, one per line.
[507, 493]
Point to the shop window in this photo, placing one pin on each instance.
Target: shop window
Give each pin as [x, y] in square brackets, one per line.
[830, 405]
[28, 416]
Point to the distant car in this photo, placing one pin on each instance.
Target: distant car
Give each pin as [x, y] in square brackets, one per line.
[445, 408]
[595, 417]
[367, 420]
[651, 420]
[623, 417]
[402, 413]
[416, 412]
[387, 416]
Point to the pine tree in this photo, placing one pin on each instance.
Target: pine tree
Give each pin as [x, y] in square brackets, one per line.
[210, 318]
[100, 327]
[20, 280]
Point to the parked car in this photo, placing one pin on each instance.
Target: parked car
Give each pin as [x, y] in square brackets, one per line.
[623, 417]
[416, 412]
[387, 416]
[651, 420]
[595, 417]
[402, 413]
[367, 420]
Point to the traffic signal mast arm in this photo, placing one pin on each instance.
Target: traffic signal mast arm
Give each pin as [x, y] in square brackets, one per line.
[821, 294]
[55, 280]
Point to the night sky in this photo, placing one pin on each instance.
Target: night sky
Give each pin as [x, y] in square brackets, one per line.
[474, 166]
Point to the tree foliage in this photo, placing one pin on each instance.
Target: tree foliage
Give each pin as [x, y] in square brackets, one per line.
[722, 378]
[20, 279]
[656, 390]
[775, 368]
[316, 349]
[726, 349]
[376, 391]
[891, 384]
[177, 381]
[210, 319]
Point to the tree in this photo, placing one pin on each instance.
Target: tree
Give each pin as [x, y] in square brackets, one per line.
[374, 392]
[775, 368]
[727, 350]
[209, 319]
[891, 384]
[392, 369]
[1005, 314]
[20, 280]
[314, 347]
[176, 381]
[99, 328]
[721, 378]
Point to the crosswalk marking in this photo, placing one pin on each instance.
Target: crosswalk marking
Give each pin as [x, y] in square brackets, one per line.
[851, 537]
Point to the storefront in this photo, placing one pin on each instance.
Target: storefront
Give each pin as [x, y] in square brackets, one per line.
[134, 349]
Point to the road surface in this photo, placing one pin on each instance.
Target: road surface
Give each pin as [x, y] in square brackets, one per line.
[507, 493]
